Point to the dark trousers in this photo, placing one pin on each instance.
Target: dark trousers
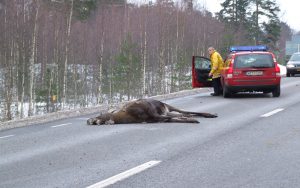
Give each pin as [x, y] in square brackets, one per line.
[216, 83]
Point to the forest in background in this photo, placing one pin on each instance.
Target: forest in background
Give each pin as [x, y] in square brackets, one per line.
[66, 54]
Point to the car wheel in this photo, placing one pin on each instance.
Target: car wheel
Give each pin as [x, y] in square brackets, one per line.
[226, 92]
[288, 74]
[276, 91]
[292, 74]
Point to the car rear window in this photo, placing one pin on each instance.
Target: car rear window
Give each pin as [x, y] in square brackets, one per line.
[254, 61]
[295, 57]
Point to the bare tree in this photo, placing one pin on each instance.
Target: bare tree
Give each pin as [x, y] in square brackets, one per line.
[69, 22]
[53, 57]
[33, 57]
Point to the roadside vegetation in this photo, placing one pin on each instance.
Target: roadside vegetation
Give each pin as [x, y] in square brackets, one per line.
[66, 54]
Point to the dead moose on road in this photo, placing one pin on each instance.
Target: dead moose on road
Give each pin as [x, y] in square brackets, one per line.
[147, 111]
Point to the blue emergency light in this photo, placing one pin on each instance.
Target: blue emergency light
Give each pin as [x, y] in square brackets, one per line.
[248, 48]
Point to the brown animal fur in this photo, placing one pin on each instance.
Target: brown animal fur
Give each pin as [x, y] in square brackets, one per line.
[147, 111]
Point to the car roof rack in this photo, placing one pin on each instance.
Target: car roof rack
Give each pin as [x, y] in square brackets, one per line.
[248, 48]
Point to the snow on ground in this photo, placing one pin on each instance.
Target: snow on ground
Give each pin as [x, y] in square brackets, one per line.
[40, 119]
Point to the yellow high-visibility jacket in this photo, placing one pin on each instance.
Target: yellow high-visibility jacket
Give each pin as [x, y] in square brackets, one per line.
[216, 62]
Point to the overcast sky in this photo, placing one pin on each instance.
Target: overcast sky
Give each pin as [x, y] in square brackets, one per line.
[290, 9]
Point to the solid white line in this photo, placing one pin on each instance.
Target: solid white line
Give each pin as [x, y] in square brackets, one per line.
[61, 125]
[7, 136]
[124, 175]
[272, 112]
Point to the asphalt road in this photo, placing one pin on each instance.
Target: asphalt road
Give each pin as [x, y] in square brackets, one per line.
[255, 142]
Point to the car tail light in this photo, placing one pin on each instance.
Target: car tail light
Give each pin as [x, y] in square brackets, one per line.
[230, 70]
[277, 70]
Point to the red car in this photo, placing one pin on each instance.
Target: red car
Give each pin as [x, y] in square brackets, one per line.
[246, 69]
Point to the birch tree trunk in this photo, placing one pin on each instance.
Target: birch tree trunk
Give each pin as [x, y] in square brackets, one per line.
[67, 55]
[175, 55]
[85, 87]
[7, 107]
[32, 59]
[8, 93]
[257, 24]
[49, 101]
[22, 61]
[75, 75]
[8, 70]
[101, 53]
[56, 71]
[110, 85]
[143, 29]
[145, 91]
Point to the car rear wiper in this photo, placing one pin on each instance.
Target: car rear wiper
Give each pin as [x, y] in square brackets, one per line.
[261, 66]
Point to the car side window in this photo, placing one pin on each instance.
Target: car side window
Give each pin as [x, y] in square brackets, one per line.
[201, 63]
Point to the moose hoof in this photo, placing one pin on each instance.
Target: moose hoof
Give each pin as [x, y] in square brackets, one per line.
[211, 115]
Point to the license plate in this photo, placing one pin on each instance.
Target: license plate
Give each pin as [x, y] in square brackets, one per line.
[254, 73]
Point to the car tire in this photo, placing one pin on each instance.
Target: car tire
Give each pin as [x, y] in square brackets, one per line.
[288, 74]
[276, 91]
[226, 92]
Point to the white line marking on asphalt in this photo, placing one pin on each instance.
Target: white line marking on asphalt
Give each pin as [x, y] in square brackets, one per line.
[7, 136]
[61, 125]
[272, 112]
[124, 175]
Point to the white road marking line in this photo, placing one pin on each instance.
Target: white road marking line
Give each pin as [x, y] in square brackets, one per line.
[272, 112]
[124, 175]
[7, 136]
[54, 126]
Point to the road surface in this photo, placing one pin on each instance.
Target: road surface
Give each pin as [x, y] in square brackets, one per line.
[255, 142]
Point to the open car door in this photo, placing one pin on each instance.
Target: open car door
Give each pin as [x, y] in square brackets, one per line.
[200, 70]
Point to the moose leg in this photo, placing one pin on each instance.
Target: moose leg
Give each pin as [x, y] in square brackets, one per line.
[183, 120]
[201, 114]
[178, 114]
[159, 118]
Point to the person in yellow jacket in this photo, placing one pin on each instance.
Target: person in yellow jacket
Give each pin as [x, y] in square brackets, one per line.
[215, 72]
